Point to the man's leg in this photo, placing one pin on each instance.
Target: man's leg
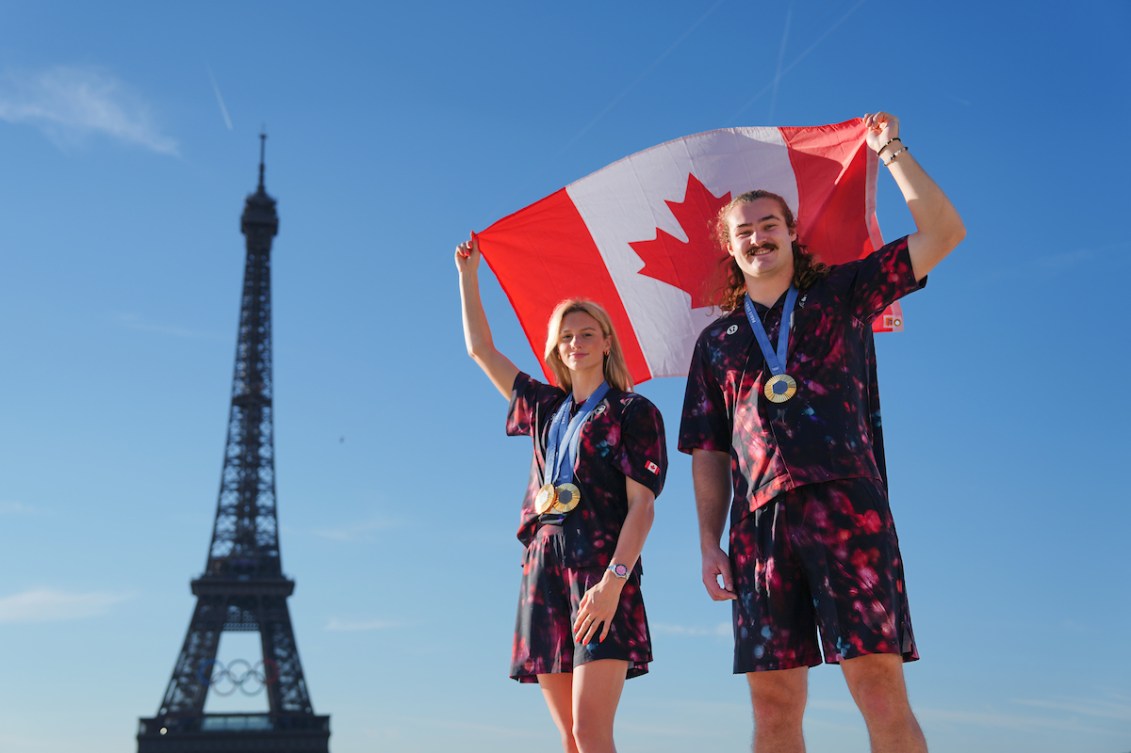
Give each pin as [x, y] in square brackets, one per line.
[778, 698]
[876, 684]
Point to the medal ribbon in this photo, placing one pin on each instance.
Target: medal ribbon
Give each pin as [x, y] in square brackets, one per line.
[776, 361]
[563, 441]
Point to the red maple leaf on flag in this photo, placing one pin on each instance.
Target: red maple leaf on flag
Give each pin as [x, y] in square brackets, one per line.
[695, 265]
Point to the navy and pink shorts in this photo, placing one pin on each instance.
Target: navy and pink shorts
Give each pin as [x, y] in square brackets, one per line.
[547, 606]
[821, 557]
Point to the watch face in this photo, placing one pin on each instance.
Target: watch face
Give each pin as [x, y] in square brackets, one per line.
[621, 571]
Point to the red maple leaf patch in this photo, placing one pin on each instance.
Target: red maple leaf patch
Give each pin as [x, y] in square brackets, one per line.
[694, 265]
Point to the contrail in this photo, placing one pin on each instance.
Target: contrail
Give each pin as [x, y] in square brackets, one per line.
[642, 75]
[781, 57]
[219, 98]
[801, 57]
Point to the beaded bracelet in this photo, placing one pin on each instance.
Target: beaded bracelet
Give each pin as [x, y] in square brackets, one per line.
[895, 155]
[883, 148]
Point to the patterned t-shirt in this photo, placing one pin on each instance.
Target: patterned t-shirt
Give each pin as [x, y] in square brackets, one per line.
[622, 437]
[831, 428]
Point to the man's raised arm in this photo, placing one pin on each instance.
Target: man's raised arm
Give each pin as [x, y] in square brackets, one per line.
[938, 228]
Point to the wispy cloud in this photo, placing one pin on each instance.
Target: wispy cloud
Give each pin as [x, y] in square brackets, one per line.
[1068, 719]
[48, 605]
[356, 626]
[136, 322]
[220, 99]
[11, 507]
[780, 72]
[781, 59]
[25, 743]
[1068, 259]
[723, 629]
[70, 103]
[432, 722]
[360, 531]
[1118, 708]
[642, 75]
[1047, 266]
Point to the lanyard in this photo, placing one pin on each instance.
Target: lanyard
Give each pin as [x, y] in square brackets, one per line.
[563, 441]
[776, 361]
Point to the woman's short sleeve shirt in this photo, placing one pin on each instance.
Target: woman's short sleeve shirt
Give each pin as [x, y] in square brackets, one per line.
[622, 437]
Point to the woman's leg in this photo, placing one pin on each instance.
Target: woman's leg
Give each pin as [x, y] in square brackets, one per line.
[597, 686]
[557, 689]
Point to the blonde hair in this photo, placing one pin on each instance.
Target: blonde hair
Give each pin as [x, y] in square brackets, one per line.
[615, 368]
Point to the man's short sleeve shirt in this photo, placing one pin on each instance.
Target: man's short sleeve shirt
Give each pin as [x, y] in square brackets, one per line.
[623, 437]
[830, 429]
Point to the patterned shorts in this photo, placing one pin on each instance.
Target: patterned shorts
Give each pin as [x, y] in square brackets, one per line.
[547, 605]
[825, 556]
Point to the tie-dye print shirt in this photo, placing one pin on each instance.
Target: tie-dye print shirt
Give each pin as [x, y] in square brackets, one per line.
[623, 437]
[831, 428]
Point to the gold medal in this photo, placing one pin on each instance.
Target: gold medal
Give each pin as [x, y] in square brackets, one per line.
[546, 498]
[779, 388]
[567, 497]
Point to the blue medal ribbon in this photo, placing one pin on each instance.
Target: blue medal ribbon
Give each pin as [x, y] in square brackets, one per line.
[563, 441]
[776, 361]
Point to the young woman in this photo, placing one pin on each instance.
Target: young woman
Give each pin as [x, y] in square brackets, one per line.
[599, 462]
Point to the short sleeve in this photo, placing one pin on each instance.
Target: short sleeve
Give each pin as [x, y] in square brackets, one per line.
[880, 279]
[705, 424]
[643, 454]
[529, 398]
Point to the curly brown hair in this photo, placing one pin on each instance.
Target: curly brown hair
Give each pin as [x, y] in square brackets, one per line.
[806, 268]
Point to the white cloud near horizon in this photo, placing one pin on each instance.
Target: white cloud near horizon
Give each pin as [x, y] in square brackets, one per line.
[136, 322]
[1068, 720]
[504, 731]
[1118, 708]
[49, 605]
[353, 626]
[71, 103]
[359, 531]
[723, 630]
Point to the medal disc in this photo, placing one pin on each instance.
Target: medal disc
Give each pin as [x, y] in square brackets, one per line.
[568, 497]
[780, 387]
[546, 498]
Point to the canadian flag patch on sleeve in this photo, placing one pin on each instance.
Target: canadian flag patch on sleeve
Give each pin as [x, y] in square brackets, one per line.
[655, 469]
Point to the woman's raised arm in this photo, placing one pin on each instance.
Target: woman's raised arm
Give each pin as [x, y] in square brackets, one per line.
[476, 331]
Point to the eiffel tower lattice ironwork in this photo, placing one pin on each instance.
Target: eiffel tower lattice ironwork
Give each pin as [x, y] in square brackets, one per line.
[243, 588]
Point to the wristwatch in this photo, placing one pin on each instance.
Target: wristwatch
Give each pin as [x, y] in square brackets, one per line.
[619, 570]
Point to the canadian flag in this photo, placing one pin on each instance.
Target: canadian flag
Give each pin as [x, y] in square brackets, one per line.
[637, 236]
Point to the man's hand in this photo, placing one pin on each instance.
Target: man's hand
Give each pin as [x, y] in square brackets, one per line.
[716, 564]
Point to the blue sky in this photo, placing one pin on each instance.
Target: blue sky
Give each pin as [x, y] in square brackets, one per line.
[128, 141]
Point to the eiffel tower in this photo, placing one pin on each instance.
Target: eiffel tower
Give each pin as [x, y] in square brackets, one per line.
[243, 588]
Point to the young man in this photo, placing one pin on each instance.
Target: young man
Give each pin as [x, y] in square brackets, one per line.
[782, 401]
